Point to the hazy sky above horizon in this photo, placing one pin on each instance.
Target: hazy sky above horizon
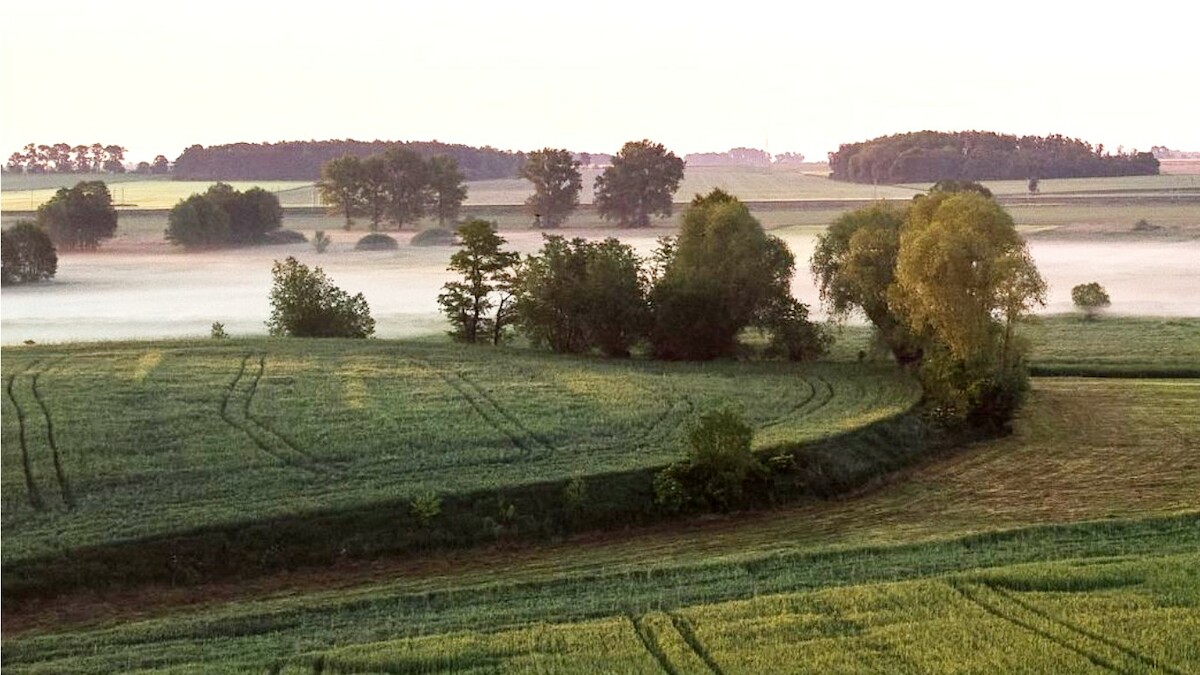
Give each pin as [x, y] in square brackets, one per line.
[156, 77]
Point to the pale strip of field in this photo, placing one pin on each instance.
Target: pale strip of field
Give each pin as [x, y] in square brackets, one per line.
[1160, 183]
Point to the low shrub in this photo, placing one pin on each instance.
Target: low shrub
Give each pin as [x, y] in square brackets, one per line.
[284, 237]
[434, 236]
[376, 242]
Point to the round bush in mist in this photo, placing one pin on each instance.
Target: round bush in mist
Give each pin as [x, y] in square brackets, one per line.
[285, 237]
[434, 236]
[376, 242]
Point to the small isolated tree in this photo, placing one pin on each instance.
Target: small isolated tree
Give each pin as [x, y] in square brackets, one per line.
[556, 184]
[79, 217]
[321, 241]
[640, 183]
[1091, 298]
[486, 280]
[1034, 185]
[341, 187]
[719, 465]
[447, 191]
[305, 303]
[28, 254]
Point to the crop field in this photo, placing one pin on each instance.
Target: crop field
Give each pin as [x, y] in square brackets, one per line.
[1161, 184]
[114, 442]
[1072, 545]
[148, 193]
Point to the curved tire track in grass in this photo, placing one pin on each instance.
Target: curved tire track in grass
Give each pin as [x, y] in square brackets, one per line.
[31, 488]
[688, 633]
[63, 484]
[974, 594]
[248, 426]
[307, 457]
[1091, 635]
[651, 644]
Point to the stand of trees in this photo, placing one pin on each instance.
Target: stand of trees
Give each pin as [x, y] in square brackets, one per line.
[928, 156]
[305, 303]
[303, 160]
[944, 282]
[79, 218]
[398, 186]
[27, 253]
[722, 274]
[223, 216]
[65, 158]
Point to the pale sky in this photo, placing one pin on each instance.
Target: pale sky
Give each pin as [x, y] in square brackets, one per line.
[697, 76]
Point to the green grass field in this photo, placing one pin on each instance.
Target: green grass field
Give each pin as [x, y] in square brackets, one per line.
[113, 442]
[1071, 546]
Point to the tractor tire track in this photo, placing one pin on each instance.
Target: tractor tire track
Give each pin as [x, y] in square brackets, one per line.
[249, 427]
[64, 485]
[547, 446]
[688, 633]
[1127, 651]
[31, 489]
[487, 408]
[651, 644]
[287, 442]
[781, 418]
[974, 597]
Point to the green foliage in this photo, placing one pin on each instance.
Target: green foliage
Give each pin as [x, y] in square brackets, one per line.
[223, 216]
[556, 184]
[218, 331]
[426, 507]
[341, 187]
[722, 273]
[376, 242]
[854, 264]
[793, 335]
[321, 241]
[406, 184]
[487, 283]
[28, 254]
[576, 295]
[433, 236]
[198, 222]
[639, 184]
[1091, 298]
[447, 191]
[950, 185]
[282, 237]
[718, 467]
[79, 217]
[305, 303]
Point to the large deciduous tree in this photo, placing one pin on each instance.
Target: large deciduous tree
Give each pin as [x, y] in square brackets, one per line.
[223, 216]
[855, 264]
[79, 217]
[447, 191]
[556, 184]
[341, 187]
[640, 183]
[407, 185]
[720, 275]
[487, 273]
[28, 254]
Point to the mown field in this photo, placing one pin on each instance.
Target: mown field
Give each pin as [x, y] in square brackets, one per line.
[1071, 546]
[113, 442]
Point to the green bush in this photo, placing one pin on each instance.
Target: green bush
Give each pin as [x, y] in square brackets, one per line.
[305, 303]
[284, 237]
[376, 242]
[718, 468]
[321, 241]
[28, 254]
[434, 236]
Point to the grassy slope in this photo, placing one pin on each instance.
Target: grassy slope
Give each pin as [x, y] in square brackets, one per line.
[155, 438]
[1121, 452]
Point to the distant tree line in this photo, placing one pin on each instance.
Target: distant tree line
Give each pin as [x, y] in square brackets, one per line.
[65, 158]
[1163, 152]
[302, 160]
[928, 156]
[689, 301]
[743, 157]
[399, 186]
